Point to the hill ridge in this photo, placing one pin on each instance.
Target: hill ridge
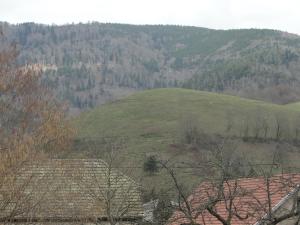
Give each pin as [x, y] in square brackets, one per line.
[90, 64]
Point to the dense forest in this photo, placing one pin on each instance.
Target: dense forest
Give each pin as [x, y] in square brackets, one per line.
[90, 64]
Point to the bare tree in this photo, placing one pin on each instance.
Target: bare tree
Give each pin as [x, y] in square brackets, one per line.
[116, 194]
[190, 130]
[32, 124]
[265, 127]
[190, 209]
[258, 123]
[213, 192]
[227, 198]
[230, 125]
[245, 128]
[296, 128]
[282, 128]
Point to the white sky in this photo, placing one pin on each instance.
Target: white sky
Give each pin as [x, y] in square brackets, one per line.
[220, 14]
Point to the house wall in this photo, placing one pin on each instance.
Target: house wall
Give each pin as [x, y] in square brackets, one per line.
[284, 209]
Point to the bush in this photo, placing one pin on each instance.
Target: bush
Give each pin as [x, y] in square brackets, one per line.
[151, 165]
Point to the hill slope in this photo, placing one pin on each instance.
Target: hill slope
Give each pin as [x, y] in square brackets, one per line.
[159, 110]
[151, 123]
[89, 64]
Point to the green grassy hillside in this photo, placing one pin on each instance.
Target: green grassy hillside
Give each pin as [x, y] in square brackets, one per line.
[150, 122]
[293, 106]
[155, 114]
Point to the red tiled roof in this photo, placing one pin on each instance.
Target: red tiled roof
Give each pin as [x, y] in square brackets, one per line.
[250, 201]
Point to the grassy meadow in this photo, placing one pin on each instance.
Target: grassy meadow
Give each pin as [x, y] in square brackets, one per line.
[151, 122]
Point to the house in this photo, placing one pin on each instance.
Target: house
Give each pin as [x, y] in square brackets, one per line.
[245, 201]
[72, 191]
[149, 208]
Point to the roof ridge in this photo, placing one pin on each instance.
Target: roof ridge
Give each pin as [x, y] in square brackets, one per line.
[259, 177]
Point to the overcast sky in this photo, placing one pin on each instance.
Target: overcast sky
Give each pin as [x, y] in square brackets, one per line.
[220, 14]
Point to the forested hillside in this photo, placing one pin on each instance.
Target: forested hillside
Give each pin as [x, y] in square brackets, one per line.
[89, 64]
